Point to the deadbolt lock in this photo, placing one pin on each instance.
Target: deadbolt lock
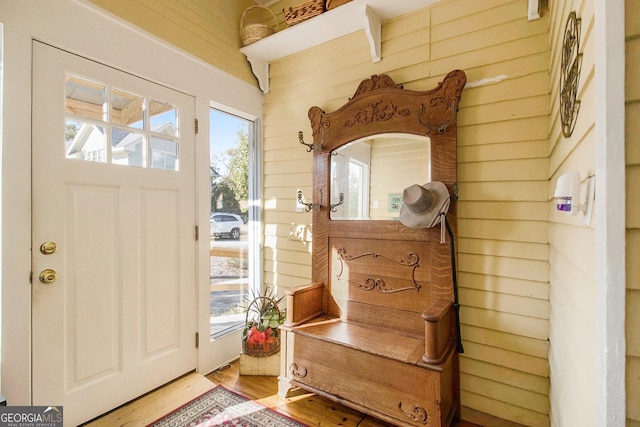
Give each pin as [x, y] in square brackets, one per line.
[48, 276]
[47, 248]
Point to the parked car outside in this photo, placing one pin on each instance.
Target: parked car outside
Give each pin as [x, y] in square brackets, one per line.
[225, 225]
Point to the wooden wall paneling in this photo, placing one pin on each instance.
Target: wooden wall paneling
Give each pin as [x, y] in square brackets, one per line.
[517, 414]
[500, 340]
[491, 229]
[505, 266]
[516, 396]
[503, 151]
[526, 129]
[632, 158]
[528, 46]
[506, 322]
[508, 285]
[506, 303]
[515, 378]
[509, 249]
[508, 209]
[532, 365]
[207, 30]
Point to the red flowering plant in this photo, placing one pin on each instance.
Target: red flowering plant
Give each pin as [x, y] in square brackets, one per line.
[260, 336]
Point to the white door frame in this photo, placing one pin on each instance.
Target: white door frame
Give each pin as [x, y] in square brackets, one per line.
[83, 34]
[609, 35]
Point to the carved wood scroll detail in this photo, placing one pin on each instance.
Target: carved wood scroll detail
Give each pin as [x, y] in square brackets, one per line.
[375, 82]
[298, 371]
[376, 111]
[416, 413]
[373, 283]
[382, 99]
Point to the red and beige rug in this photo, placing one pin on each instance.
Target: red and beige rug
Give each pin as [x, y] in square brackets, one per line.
[222, 407]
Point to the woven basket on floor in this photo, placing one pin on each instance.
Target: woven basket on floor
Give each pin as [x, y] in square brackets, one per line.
[257, 308]
[296, 14]
[254, 31]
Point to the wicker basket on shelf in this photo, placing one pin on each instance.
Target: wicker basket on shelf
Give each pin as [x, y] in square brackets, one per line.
[296, 14]
[261, 337]
[251, 32]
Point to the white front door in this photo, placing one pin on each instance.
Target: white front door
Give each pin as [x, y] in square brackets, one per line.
[114, 251]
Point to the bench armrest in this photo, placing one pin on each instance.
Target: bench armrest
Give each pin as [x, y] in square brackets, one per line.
[438, 331]
[303, 304]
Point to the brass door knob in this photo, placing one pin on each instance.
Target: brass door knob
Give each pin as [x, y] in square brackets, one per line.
[48, 276]
[47, 248]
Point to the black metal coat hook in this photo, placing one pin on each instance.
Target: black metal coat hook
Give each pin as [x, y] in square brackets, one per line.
[333, 207]
[310, 147]
[301, 141]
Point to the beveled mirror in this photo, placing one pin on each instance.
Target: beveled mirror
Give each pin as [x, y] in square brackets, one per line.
[367, 173]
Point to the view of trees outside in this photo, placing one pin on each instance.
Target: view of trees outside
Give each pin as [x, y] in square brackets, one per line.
[230, 172]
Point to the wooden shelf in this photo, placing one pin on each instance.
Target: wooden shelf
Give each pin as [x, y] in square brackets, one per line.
[367, 15]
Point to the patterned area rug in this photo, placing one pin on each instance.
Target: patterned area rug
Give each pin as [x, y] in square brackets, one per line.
[222, 407]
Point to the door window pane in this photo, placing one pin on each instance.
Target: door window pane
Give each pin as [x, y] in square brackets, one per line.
[85, 98]
[85, 141]
[127, 109]
[164, 118]
[164, 154]
[128, 148]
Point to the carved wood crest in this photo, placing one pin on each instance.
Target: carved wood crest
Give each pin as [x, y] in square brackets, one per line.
[379, 99]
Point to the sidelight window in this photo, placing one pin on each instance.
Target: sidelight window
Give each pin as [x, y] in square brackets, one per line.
[233, 219]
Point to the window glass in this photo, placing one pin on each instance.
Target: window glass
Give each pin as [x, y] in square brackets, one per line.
[164, 154]
[85, 98]
[128, 147]
[164, 118]
[230, 237]
[127, 109]
[85, 141]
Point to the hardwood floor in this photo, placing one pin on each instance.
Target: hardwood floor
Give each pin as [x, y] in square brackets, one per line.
[307, 408]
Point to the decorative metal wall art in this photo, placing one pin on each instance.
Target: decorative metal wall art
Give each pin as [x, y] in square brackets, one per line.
[570, 75]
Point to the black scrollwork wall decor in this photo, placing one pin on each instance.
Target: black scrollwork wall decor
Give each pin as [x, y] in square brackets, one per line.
[570, 75]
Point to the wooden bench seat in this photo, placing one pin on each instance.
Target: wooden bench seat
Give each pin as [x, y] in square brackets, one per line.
[392, 374]
[372, 369]
[379, 341]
